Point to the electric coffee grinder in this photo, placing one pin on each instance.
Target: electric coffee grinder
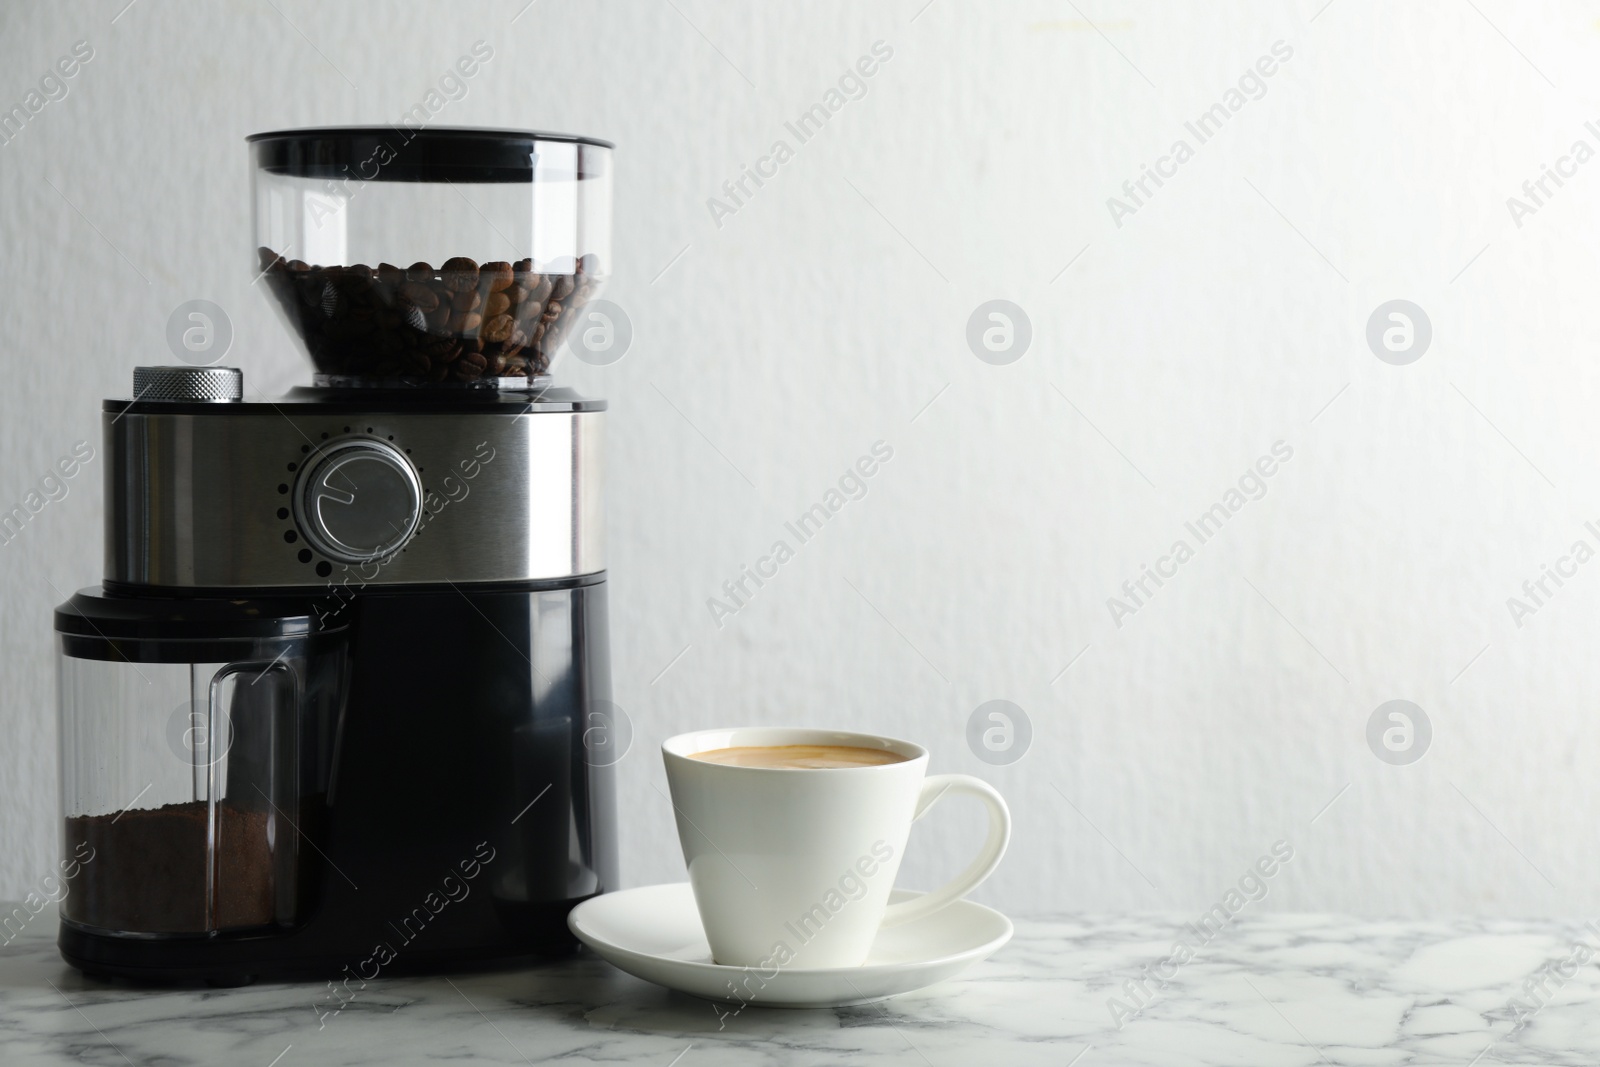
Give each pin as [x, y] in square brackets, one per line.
[341, 706]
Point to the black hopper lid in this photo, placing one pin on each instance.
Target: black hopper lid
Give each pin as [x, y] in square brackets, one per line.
[404, 154]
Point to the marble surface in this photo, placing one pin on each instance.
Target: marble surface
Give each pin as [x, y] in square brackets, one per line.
[1271, 989]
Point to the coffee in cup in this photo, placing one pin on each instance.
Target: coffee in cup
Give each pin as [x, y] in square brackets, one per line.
[800, 757]
[793, 839]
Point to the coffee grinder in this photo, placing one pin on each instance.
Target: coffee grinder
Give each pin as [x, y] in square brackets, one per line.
[341, 706]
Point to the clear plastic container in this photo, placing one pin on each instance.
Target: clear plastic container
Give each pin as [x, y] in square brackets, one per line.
[193, 768]
[438, 256]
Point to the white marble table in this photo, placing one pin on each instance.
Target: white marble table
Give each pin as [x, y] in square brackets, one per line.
[1280, 990]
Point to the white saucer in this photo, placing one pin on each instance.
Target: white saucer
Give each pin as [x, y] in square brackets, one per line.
[654, 933]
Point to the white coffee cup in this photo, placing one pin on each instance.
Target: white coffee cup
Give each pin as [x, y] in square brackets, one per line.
[792, 867]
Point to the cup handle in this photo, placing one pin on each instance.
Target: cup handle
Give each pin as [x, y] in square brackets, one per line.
[934, 789]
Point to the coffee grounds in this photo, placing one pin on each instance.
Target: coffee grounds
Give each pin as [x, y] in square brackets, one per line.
[458, 322]
[148, 874]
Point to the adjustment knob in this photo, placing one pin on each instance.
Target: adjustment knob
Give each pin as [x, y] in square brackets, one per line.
[358, 499]
[188, 383]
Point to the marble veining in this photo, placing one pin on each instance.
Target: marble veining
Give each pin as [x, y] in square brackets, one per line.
[1271, 989]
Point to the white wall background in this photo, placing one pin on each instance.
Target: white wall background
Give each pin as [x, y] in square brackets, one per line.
[772, 351]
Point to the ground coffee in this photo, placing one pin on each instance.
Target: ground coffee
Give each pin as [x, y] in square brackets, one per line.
[149, 870]
[456, 322]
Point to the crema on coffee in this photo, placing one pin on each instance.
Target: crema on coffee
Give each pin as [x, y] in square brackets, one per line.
[800, 757]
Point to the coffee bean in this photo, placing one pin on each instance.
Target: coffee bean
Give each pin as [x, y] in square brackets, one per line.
[419, 295]
[498, 328]
[425, 324]
[460, 274]
[498, 274]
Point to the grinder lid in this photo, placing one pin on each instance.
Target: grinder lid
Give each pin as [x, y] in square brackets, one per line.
[402, 154]
[93, 612]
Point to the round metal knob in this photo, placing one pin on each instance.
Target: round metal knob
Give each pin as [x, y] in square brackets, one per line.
[358, 499]
[188, 383]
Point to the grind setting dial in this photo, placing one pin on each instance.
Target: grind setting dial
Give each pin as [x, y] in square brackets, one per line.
[358, 499]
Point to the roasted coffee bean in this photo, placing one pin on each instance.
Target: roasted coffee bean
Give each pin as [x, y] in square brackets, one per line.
[420, 295]
[460, 274]
[498, 328]
[498, 274]
[589, 264]
[425, 323]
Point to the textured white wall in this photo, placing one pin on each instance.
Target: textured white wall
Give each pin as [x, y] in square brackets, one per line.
[829, 311]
